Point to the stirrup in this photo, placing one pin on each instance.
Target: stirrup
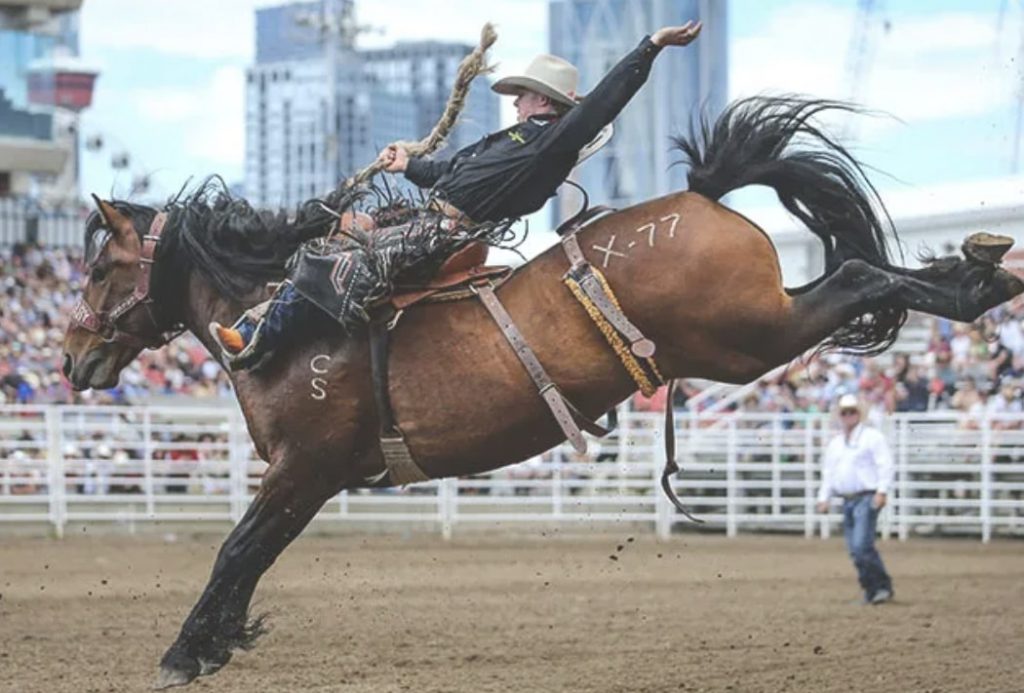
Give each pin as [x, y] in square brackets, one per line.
[246, 359]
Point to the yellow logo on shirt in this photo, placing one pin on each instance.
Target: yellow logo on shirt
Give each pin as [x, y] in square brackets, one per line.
[516, 136]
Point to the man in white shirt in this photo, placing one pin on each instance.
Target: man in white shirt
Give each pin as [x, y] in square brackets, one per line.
[857, 466]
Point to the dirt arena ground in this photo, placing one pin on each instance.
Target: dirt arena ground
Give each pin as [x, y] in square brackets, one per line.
[540, 612]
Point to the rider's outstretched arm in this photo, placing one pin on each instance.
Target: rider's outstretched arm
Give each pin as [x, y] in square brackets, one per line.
[601, 106]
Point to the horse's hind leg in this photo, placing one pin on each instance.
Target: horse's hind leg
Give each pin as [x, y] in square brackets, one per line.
[952, 288]
[218, 623]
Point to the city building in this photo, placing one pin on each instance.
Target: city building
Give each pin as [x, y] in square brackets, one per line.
[286, 133]
[594, 35]
[34, 15]
[299, 141]
[425, 71]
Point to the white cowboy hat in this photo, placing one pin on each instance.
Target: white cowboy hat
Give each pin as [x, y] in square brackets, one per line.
[554, 77]
[849, 401]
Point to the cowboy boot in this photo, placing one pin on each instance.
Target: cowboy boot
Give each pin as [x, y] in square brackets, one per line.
[241, 344]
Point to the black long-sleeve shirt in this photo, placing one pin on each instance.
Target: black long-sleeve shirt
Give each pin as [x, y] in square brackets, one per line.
[513, 172]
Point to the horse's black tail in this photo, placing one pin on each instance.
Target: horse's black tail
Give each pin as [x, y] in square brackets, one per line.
[772, 141]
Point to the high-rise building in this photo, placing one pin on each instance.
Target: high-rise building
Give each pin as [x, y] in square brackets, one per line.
[425, 71]
[594, 34]
[287, 128]
[379, 96]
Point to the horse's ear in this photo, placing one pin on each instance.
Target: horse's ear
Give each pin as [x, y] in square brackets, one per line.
[118, 224]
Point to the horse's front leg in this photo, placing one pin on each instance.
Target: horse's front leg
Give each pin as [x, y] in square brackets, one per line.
[289, 497]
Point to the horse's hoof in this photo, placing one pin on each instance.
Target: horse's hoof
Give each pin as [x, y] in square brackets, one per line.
[176, 669]
[1009, 284]
[986, 248]
[168, 678]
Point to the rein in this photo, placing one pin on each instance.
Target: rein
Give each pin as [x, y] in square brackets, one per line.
[104, 323]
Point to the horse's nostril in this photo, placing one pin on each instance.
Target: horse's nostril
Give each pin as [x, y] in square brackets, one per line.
[68, 365]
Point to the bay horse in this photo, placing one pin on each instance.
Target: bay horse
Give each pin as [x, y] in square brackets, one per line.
[696, 277]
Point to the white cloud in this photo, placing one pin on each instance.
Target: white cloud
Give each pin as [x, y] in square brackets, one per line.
[166, 105]
[218, 131]
[208, 121]
[943, 65]
[194, 28]
[226, 28]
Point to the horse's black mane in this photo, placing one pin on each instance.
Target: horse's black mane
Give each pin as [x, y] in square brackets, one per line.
[238, 247]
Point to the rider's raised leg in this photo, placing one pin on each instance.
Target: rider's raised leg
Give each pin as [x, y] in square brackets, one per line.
[253, 337]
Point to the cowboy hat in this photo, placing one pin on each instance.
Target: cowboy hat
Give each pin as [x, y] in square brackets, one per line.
[849, 402]
[554, 77]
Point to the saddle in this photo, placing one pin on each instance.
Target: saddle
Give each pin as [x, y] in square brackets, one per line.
[453, 280]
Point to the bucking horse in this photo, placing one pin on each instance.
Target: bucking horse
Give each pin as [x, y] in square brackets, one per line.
[700, 281]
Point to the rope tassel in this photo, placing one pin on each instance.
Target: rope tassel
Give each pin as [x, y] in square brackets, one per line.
[471, 67]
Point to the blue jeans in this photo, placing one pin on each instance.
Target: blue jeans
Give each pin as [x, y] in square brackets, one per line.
[287, 309]
[859, 522]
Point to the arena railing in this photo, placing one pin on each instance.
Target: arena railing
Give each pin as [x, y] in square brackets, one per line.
[24, 221]
[74, 466]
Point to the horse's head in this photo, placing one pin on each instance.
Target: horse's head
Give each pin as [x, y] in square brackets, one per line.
[114, 319]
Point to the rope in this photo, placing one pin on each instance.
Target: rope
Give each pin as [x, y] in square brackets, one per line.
[471, 67]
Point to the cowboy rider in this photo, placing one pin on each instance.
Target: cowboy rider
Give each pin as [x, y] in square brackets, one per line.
[513, 172]
[506, 175]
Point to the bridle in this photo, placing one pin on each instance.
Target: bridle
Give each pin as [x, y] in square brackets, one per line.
[104, 323]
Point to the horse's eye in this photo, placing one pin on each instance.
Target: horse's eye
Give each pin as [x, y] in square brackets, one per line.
[98, 274]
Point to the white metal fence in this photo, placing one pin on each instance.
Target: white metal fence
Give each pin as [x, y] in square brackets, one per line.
[63, 465]
[22, 221]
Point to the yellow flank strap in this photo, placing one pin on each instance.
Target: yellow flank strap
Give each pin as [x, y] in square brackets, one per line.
[631, 363]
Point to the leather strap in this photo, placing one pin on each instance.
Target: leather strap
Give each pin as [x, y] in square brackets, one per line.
[640, 345]
[571, 246]
[582, 218]
[671, 466]
[105, 323]
[402, 468]
[568, 417]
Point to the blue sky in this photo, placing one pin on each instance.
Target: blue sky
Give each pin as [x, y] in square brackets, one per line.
[171, 88]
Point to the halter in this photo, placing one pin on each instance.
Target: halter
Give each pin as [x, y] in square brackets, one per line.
[104, 323]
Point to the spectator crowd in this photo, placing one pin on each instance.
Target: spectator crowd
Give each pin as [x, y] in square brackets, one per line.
[950, 366]
[39, 288]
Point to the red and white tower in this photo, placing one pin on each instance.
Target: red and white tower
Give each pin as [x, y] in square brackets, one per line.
[63, 83]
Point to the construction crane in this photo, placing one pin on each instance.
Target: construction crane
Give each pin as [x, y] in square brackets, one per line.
[1018, 120]
[860, 53]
